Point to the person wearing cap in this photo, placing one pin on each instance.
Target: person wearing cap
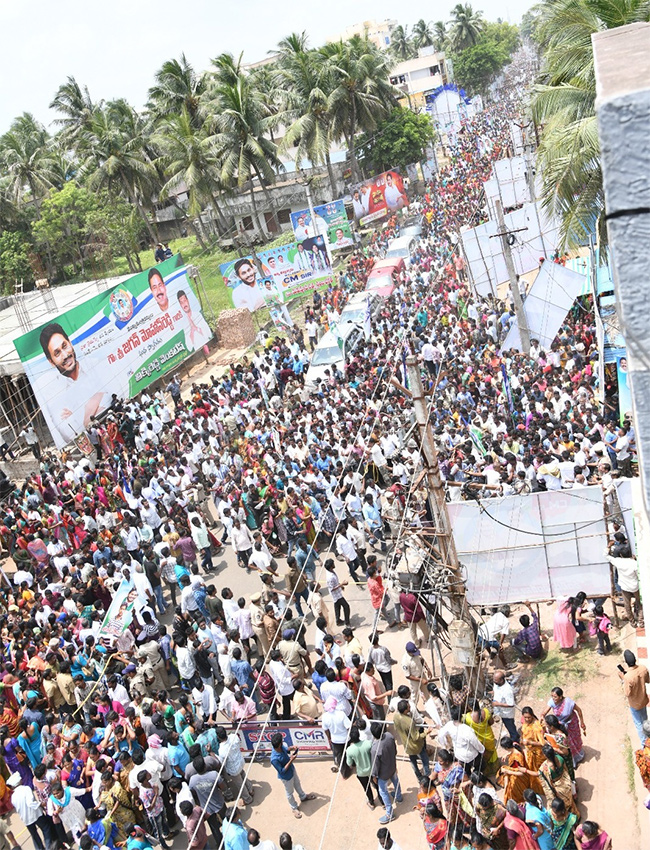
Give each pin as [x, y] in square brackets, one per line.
[29, 810]
[416, 669]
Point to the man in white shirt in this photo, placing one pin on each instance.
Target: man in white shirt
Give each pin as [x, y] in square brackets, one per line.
[504, 703]
[492, 632]
[30, 812]
[458, 737]
[248, 294]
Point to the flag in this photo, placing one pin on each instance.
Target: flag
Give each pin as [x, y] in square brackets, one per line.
[506, 387]
[367, 327]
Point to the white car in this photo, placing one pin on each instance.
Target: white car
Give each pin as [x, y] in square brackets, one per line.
[354, 312]
[333, 350]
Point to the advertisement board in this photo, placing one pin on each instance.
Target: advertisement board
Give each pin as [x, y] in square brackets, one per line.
[331, 223]
[379, 197]
[115, 343]
[305, 737]
[277, 275]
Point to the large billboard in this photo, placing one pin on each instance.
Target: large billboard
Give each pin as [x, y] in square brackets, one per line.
[379, 197]
[277, 275]
[331, 223]
[117, 342]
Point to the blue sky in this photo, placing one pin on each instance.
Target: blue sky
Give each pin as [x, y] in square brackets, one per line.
[115, 47]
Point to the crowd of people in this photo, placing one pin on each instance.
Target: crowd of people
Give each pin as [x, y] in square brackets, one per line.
[119, 722]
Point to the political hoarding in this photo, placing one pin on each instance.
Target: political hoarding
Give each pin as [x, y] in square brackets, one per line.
[379, 197]
[119, 616]
[305, 736]
[331, 222]
[116, 343]
[277, 275]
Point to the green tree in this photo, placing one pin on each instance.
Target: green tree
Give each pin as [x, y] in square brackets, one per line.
[422, 35]
[26, 159]
[115, 230]
[569, 153]
[14, 260]
[476, 66]
[440, 35]
[361, 93]
[76, 108]
[401, 45]
[178, 87]
[398, 141]
[465, 26]
[503, 34]
[63, 225]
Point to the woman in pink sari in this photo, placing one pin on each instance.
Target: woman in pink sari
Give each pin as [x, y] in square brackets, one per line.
[563, 629]
[520, 835]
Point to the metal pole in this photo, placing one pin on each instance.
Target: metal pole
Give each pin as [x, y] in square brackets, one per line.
[522, 322]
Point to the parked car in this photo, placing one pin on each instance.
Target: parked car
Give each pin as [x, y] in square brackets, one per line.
[381, 280]
[413, 231]
[355, 310]
[333, 350]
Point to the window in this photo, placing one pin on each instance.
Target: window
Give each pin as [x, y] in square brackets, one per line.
[284, 216]
[435, 70]
[247, 222]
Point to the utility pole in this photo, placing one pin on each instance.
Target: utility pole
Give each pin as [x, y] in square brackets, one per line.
[443, 530]
[522, 322]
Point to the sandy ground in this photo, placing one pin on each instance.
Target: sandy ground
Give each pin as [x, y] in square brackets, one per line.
[339, 819]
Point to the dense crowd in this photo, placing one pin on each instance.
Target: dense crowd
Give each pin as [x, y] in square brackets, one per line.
[117, 726]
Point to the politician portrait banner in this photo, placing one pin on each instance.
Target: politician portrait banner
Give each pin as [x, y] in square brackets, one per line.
[383, 195]
[278, 275]
[115, 343]
[331, 223]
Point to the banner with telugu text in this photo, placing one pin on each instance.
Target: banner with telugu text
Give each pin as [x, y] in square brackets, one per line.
[116, 343]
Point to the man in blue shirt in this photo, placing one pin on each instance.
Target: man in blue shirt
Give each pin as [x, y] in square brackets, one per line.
[373, 522]
[235, 834]
[282, 760]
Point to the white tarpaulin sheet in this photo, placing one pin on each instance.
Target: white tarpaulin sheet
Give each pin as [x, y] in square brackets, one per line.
[508, 183]
[549, 300]
[535, 547]
[533, 235]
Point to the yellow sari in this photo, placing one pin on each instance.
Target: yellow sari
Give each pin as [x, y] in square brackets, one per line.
[483, 731]
[533, 733]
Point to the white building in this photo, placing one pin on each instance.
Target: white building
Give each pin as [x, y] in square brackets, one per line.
[378, 32]
[419, 76]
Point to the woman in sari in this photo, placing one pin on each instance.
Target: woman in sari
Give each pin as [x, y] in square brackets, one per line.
[532, 738]
[30, 741]
[491, 814]
[435, 827]
[520, 835]
[16, 758]
[117, 803]
[569, 714]
[515, 774]
[589, 836]
[555, 735]
[5, 790]
[563, 824]
[449, 776]
[305, 513]
[481, 720]
[556, 780]
[539, 820]
[102, 831]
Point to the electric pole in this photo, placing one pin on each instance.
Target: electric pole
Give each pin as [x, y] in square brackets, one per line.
[464, 636]
[522, 322]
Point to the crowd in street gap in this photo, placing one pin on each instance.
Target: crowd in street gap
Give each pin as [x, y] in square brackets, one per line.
[124, 738]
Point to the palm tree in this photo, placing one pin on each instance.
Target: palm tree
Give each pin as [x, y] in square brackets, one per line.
[569, 153]
[240, 126]
[114, 156]
[26, 159]
[76, 107]
[293, 44]
[361, 93]
[400, 44]
[189, 158]
[465, 26]
[177, 87]
[440, 35]
[266, 82]
[423, 35]
[306, 80]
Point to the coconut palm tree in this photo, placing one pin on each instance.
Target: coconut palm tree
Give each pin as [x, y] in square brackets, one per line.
[465, 26]
[76, 108]
[189, 158]
[440, 35]
[114, 157]
[401, 45]
[361, 93]
[177, 87]
[26, 159]
[569, 154]
[306, 81]
[423, 35]
[239, 126]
